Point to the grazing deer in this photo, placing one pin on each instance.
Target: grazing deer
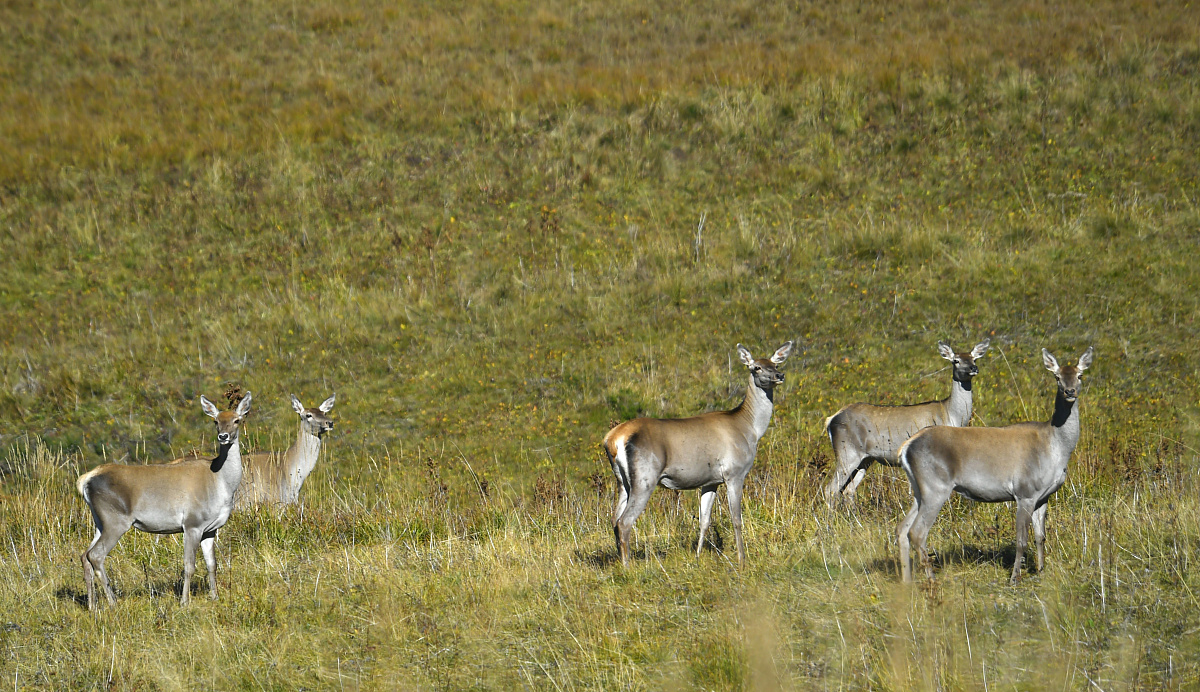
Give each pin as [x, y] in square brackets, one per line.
[276, 478]
[689, 453]
[189, 496]
[1025, 462]
[863, 434]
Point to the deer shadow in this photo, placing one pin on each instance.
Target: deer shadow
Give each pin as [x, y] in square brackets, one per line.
[606, 557]
[960, 555]
[67, 594]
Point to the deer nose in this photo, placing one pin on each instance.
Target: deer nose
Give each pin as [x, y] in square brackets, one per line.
[223, 437]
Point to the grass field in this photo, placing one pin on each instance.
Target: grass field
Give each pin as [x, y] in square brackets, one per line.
[494, 229]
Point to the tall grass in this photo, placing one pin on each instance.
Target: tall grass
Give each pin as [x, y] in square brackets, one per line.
[481, 226]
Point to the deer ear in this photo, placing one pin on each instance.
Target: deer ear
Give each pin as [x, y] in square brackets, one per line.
[244, 407]
[327, 405]
[981, 349]
[210, 409]
[1085, 361]
[297, 406]
[1049, 361]
[946, 351]
[782, 353]
[745, 356]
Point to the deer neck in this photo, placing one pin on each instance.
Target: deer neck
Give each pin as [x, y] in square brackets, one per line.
[300, 459]
[228, 465]
[1064, 424]
[756, 409]
[958, 404]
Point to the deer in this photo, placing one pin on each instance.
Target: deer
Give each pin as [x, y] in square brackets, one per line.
[192, 496]
[1023, 463]
[863, 434]
[276, 478]
[702, 452]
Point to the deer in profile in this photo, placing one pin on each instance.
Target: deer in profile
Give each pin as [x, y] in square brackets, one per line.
[1025, 463]
[702, 453]
[192, 496]
[863, 434]
[275, 478]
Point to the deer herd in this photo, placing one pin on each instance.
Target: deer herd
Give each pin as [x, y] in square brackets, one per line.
[1023, 463]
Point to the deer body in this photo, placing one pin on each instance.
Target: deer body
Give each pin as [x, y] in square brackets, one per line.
[192, 496]
[277, 478]
[702, 453]
[863, 434]
[1023, 463]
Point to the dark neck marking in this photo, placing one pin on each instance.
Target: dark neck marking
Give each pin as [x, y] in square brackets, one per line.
[222, 455]
[1062, 410]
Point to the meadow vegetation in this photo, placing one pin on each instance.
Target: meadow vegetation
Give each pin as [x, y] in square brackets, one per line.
[493, 229]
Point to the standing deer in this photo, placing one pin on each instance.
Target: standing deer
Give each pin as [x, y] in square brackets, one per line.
[189, 496]
[863, 434]
[276, 478]
[1025, 462]
[689, 453]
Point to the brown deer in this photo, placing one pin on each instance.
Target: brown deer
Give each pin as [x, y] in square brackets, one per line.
[694, 453]
[863, 434]
[1025, 463]
[191, 496]
[275, 478]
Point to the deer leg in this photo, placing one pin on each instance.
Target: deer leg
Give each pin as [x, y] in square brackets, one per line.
[733, 495]
[1039, 534]
[208, 545]
[98, 552]
[931, 504]
[191, 538]
[847, 460]
[622, 497]
[89, 572]
[708, 495]
[639, 495]
[902, 538]
[852, 486]
[1024, 516]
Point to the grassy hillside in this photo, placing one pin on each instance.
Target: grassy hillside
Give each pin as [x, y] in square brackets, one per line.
[492, 230]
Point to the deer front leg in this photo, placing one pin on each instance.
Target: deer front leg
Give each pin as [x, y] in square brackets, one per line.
[1039, 534]
[191, 538]
[1024, 516]
[708, 495]
[208, 545]
[902, 538]
[733, 494]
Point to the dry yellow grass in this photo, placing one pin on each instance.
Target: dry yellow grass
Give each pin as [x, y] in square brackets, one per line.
[477, 223]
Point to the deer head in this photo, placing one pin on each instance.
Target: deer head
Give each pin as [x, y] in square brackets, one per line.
[315, 421]
[1068, 376]
[227, 421]
[964, 363]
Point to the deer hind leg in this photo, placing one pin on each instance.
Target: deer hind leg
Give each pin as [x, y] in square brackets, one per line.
[708, 495]
[622, 498]
[107, 535]
[852, 486]
[639, 495]
[208, 545]
[930, 504]
[902, 538]
[191, 538]
[847, 460]
[1039, 534]
[1024, 517]
[89, 572]
[733, 494]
